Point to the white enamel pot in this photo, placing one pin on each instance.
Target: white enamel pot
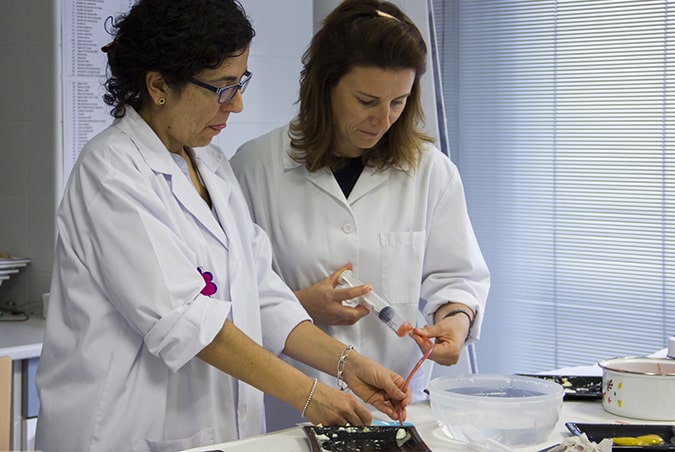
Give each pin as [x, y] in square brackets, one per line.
[639, 388]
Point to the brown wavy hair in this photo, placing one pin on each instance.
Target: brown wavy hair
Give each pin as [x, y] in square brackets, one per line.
[359, 33]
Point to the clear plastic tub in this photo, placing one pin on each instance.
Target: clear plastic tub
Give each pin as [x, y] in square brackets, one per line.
[511, 409]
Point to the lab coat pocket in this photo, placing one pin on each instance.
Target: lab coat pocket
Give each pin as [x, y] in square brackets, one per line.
[203, 437]
[402, 256]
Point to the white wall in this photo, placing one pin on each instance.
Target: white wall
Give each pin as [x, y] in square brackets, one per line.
[28, 134]
[283, 30]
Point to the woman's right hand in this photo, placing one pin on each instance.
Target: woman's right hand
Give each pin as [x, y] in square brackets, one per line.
[323, 301]
[372, 383]
[330, 406]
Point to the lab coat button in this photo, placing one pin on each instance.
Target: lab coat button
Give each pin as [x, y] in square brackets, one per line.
[347, 228]
[242, 411]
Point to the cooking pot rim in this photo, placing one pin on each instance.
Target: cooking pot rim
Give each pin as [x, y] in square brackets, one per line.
[607, 365]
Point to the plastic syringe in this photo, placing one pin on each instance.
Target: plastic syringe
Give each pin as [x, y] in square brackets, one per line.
[374, 302]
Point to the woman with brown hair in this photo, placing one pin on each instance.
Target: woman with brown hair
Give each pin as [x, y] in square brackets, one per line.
[353, 182]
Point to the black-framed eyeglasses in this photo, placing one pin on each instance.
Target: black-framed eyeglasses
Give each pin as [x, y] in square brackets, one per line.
[226, 93]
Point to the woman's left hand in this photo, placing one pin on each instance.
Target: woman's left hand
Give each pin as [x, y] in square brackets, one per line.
[376, 385]
[449, 335]
[323, 300]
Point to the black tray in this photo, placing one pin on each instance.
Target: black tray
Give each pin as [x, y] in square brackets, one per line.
[363, 438]
[576, 387]
[597, 432]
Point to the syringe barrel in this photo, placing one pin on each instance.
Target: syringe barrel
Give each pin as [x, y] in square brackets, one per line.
[373, 300]
[384, 310]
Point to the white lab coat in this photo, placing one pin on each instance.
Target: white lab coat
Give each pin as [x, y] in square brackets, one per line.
[408, 235]
[118, 370]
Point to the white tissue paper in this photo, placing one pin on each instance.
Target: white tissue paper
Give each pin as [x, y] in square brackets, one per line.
[583, 444]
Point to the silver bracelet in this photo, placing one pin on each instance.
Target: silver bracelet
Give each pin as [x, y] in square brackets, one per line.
[340, 368]
[309, 397]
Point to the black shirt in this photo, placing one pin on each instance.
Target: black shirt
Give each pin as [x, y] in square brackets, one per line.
[348, 175]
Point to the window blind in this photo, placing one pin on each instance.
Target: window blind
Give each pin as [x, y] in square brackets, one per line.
[561, 121]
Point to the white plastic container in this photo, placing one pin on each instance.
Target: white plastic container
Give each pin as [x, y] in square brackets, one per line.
[639, 388]
[511, 409]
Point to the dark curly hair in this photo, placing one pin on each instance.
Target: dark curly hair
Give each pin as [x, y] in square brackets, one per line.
[363, 33]
[177, 38]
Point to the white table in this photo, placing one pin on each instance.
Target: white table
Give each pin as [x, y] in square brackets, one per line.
[21, 339]
[294, 439]
[591, 411]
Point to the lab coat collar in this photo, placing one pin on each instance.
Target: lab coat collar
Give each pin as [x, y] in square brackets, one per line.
[155, 152]
[209, 156]
[370, 179]
[159, 160]
[322, 178]
[289, 162]
[147, 142]
[220, 189]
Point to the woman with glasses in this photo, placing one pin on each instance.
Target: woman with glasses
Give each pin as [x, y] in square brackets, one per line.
[354, 183]
[165, 316]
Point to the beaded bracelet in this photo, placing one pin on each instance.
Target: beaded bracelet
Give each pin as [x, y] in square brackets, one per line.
[309, 397]
[340, 368]
[461, 311]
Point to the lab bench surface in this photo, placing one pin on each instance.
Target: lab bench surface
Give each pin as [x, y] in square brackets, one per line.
[21, 339]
